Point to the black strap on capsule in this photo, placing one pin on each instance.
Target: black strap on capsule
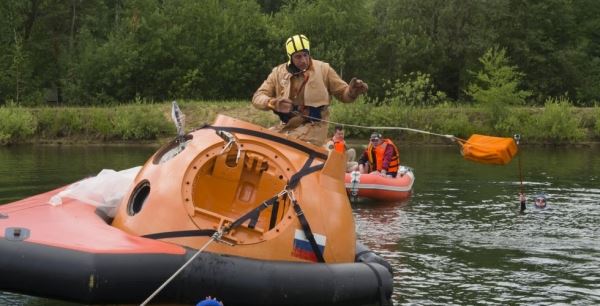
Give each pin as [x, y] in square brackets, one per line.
[307, 231]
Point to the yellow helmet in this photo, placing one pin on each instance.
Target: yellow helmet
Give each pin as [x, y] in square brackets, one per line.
[296, 43]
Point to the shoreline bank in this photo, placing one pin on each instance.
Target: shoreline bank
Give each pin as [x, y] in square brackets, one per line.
[151, 123]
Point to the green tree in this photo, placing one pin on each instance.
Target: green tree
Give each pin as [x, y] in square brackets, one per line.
[17, 71]
[185, 49]
[46, 38]
[15, 62]
[437, 37]
[414, 89]
[339, 32]
[587, 88]
[555, 43]
[496, 85]
[91, 51]
[225, 52]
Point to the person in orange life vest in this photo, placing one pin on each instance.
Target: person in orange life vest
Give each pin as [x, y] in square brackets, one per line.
[338, 143]
[300, 91]
[381, 156]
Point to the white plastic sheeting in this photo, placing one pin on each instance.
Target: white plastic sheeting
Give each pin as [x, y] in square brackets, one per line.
[104, 190]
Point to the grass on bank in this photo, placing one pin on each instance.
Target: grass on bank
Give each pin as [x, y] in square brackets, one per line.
[557, 123]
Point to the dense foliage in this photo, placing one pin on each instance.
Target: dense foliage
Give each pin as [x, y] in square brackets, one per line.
[558, 122]
[411, 52]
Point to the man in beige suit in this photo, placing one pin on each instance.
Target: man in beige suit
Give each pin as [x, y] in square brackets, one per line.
[300, 91]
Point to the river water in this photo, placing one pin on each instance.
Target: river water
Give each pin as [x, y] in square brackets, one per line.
[459, 240]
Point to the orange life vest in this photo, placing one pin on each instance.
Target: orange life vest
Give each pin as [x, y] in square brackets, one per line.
[376, 156]
[339, 146]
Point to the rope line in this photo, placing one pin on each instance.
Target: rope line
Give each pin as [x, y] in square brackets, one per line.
[213, 238]
[517, 138]
[451, 137]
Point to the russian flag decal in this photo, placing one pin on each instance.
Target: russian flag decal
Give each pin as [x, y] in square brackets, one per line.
[302, 248]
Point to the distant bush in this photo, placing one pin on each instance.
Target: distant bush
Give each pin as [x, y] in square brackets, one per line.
[98, 123]
[139, 123]
[60, 122]
[453, 121]
[17, 124]
[557, 123]
[414, 89]
[130, 122]
[519, 120]
[597, 125]
[357, 113]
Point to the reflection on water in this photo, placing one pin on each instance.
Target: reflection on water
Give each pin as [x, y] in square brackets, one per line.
[462, 240]
[459, 240]
[27, 170]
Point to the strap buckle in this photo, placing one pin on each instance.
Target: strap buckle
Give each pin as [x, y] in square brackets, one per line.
[218, 235]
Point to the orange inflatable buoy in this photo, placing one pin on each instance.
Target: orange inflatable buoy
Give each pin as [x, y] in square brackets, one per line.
[488, 149]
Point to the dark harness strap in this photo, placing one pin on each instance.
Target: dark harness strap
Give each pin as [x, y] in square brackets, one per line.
[278, 139]
[251, 215]
[305, 170]
[274, 201]
[307, 231]
[179, 234]
[274, 213]
[292, 183]
[254, 213]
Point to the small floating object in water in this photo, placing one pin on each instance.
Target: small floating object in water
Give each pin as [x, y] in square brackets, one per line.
[540, 201]
[522, 200]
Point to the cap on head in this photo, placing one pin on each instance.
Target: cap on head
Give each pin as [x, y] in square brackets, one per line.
[296, 43]
[375, 136]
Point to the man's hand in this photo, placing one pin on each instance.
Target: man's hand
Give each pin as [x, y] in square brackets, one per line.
[357, 87]
[282, 105]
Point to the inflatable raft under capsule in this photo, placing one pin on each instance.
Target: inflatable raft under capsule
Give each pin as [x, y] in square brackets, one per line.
[285, 230]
